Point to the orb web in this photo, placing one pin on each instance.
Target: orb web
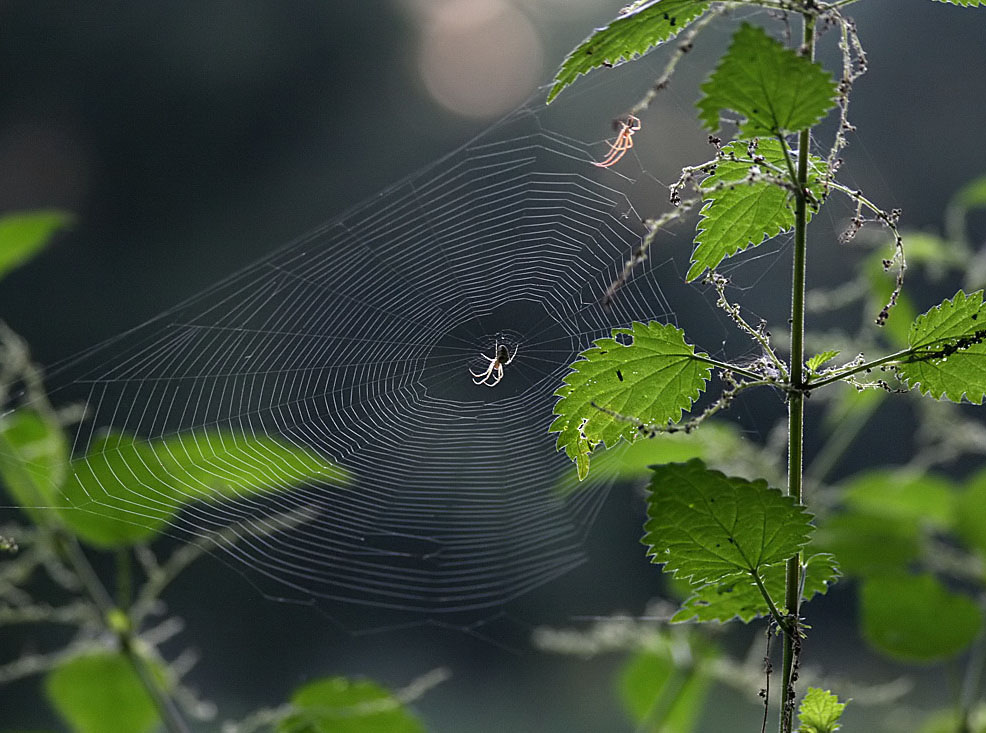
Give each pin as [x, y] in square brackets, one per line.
[357, 341]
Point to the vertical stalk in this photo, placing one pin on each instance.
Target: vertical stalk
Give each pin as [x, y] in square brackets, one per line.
[796, 397]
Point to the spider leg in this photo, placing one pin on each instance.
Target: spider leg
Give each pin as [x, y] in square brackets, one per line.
[617, 150]
[483, 376]
[623, 142]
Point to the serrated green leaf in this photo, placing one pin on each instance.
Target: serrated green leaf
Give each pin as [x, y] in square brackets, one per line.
[965, 3]
[34, 459]
[950, 350]
[101, 692]
[815, 362]
[341, 705]
[772, 87]
[740, 212]
[740, 597]
[24, 234]
[819, 712]
[869, 544]
[125, 490]
[653, 378]
[656, 690]
[633, 33]
[915, 618]
[706, 527]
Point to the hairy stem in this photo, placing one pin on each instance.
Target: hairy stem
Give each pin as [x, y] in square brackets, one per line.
[792, 594]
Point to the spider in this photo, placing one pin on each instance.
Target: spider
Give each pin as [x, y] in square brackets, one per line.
[501, 357]
[624, 141]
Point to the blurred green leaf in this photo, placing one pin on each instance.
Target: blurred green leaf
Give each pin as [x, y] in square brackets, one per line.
[950, 721]
[849, 403]
[639, 28]
[716, 441]
[868, 544]
[915, 618]
[950, 344]
[774, 88]
[741, 211]
[739, 597]
[34, 459]
[662, 697]
[926, 252]
[98, 693]
[22, 235]
[973, 194]
[124, 490]
[820, 712]
[706, 526]
[653, 379]
[921, 497]
[340, 705]
[970, 512]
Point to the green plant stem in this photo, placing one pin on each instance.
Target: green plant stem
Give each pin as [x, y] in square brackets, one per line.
[741, 371]
[792, 594]
[70, 550]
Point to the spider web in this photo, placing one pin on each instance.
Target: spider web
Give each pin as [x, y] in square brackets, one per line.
[356, 342]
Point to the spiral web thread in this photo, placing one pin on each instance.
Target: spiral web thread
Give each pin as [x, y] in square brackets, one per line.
[356, 341]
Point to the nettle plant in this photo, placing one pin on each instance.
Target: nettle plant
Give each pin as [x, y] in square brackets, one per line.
[745, 549]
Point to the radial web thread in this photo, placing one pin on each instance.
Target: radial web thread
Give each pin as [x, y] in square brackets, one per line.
[356, 342]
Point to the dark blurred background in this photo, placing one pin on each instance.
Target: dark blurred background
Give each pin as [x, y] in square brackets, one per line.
[191, 137]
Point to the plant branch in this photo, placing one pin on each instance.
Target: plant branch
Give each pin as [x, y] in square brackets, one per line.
[796, 398]
[119, 623]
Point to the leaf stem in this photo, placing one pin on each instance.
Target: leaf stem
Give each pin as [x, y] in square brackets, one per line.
[111, 616]
[792, 595]
[775, 613]
[741, 371]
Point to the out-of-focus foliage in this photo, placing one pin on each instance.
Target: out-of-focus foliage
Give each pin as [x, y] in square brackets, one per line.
[100, 692]
[24, 234]
[340, 705]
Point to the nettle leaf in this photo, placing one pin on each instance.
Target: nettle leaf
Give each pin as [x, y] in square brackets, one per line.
[653, 377]
[739, 597]
[633, 33]
[125, 490]
[101, 692]
[24, 234]
[707, 527]
[950, 350]
[741, 211]
[815, 362]
[340, 705]
[965, 3]
[915, 618]
[772, 87]
[819, 712]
